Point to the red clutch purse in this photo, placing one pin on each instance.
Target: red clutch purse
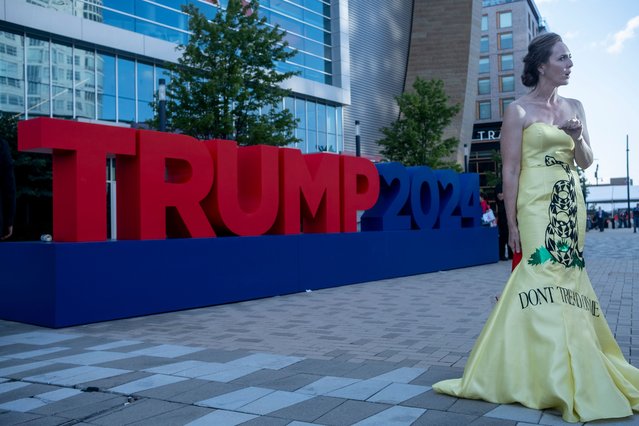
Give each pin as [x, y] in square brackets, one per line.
[516, 259]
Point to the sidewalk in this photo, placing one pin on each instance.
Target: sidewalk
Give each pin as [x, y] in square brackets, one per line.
[362, 354]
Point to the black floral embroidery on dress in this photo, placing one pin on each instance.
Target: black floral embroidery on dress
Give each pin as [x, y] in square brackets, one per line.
[561, 242]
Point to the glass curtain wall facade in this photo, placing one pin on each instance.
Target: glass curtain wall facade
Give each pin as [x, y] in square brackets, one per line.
[48, 77]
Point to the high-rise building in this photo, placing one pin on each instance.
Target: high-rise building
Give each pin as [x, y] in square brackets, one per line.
[102, 59]
[507, 27]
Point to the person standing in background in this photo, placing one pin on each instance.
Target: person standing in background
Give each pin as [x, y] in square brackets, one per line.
[601, 219]
[7, 191]
[502, 225]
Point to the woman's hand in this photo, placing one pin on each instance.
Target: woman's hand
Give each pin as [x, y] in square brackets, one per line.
[574, 128]
[513, 239]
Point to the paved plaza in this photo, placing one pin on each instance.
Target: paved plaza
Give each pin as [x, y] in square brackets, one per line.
[364, 354]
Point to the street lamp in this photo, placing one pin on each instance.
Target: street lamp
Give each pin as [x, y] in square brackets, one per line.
[357, 140]
[466, 155]
[162, 104]
[628, 174]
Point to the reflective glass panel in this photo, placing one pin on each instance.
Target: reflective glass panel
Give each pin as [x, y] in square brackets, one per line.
[126, 90]
[321, 117]
[106, 86]
[85, 83]
[505, 19]
[483, 86]
[331, 119]
[331, 143]
[506, 41]
[115, 17]
[484, 110]
[506, 62]
[312, 142]
[340, 130]
[11, 72]
[322, 142]
[145, 92]
[62, 80]
[507, 83]
[311, 111]
[38, 96]
[484, 65]
[483, 46]
[172, 17]
[301, 135]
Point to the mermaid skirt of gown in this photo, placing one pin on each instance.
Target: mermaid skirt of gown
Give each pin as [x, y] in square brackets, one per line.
[546, 343]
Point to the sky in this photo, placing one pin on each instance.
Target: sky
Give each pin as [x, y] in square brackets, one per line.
[603, 37]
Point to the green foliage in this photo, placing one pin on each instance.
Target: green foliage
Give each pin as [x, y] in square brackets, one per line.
[32, 171]
[415, 138]
[226, 76]
[583, 182]
[494, 178]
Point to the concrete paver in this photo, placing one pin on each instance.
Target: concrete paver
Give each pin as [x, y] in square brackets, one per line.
[365, 353]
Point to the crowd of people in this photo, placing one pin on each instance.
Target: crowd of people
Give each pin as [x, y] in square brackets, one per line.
[494, 214]
[601, 219]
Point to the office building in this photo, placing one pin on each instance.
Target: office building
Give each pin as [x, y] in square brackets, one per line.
[101, 60]
[507, 27]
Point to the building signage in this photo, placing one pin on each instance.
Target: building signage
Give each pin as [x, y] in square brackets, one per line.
[174, 185]
[487, 135]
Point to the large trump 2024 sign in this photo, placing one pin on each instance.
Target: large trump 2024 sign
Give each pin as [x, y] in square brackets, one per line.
[415, 220]
[177, 186]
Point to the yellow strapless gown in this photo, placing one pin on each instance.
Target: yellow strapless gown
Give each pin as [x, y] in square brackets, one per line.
[547, 344]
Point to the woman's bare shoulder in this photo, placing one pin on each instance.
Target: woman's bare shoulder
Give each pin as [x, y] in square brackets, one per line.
[515, 111]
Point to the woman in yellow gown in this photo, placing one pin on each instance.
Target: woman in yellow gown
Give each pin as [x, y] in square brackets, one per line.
[547, 344]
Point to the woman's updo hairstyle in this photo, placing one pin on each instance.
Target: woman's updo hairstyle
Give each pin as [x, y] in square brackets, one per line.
[539, 51]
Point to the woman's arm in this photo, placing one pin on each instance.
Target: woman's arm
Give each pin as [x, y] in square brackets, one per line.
[511, 135]
[576, 128]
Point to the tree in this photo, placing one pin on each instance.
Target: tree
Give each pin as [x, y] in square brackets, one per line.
[583, 182]
[416, 137]
[225, 84]
[494, 178]
[33, 171]
[33, 185]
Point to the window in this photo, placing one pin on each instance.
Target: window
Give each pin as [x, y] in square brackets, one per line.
[320, 125]
[483, 110]
[504, 104]
[145, 91]
[126, 90]
[484, 23]
[105, 79]
[483, 45]
[38, 98]
[483, 86]
[506, 62]
[484, 65]
[507, 83]
[84, 83]
[505, 41]
[504, 19]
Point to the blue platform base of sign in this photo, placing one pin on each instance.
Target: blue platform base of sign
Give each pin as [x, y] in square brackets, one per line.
[65, 284]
